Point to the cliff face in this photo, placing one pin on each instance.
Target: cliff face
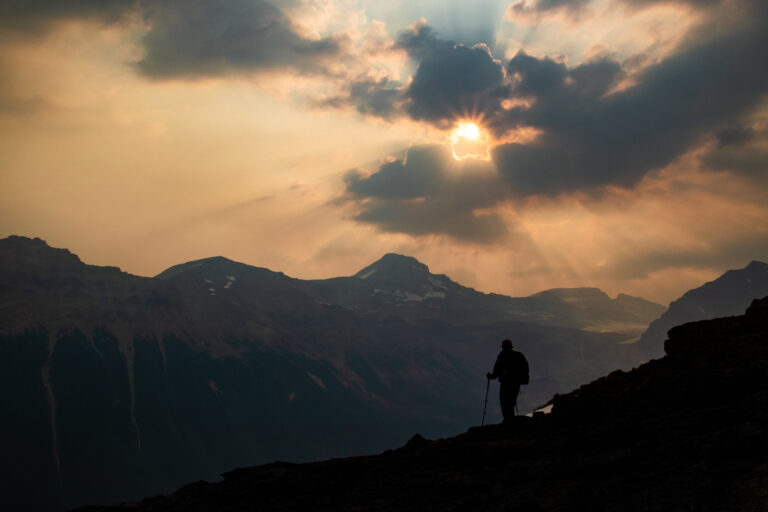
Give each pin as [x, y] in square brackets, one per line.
[685, 432]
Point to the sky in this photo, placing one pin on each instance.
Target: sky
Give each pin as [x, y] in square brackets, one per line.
[515, 146]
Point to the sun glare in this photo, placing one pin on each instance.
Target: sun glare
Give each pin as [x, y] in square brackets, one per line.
[467, 131]
[469, 141]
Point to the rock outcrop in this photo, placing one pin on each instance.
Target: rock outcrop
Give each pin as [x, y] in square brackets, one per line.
[729, 294]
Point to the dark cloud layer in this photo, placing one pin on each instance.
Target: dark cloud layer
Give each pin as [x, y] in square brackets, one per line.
[591, 139]
[203, 38]
[454, 82]
[191, 38]
[37, 15]
[419, 196]
[741, 149]
[375, 97]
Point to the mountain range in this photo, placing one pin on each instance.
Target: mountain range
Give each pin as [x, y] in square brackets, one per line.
[119, 386]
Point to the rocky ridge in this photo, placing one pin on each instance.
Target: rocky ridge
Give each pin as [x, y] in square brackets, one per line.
[727, 295]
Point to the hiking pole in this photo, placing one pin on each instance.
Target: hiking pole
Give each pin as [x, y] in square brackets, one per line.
[487, 387]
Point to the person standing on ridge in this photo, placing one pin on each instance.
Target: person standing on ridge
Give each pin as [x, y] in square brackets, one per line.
[511, 369]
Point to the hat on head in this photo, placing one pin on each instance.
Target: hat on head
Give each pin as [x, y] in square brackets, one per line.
[506, 344]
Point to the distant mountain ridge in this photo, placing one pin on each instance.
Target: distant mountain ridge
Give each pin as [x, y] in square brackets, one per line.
[593, 307]
[404, 282]
[728, 295]
[122, 386]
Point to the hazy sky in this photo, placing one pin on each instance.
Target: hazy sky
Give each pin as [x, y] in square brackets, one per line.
[613, 143]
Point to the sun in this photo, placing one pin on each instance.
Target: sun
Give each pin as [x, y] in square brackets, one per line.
[467, 130]
[468, 140]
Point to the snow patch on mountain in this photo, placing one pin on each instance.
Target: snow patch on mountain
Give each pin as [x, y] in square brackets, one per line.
[408, 296]
[367, 274]
[437, 283]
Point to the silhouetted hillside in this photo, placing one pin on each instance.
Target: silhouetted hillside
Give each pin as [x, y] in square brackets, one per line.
[729, 294]
[686, 432]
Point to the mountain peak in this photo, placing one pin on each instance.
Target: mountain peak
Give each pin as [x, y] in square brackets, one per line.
[23, 240]
[572, 294]
[756, 265]
[21, 250]
[392, 263]
[23, 243]
[213, 262]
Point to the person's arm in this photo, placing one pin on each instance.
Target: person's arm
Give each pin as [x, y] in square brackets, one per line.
[495, 373]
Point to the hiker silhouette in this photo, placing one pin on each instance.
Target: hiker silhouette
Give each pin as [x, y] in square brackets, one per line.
[511, 369]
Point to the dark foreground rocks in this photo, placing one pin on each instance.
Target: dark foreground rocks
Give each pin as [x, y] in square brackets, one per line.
[688, 432]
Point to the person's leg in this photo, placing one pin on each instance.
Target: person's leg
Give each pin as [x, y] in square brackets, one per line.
[514, 392]
[507, 406]
[508, 397]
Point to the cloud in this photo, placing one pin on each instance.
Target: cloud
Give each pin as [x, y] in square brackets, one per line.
[733, 253]
[594, 128]
[418, 176]
[378, 97]
[574, 8]
[528, 7]
[420, 41]
[452, 80]
[591, 138]
[16, 106]
[38, 15]
[455, 82]
[741, 149]
[430, 193]
[192, 38]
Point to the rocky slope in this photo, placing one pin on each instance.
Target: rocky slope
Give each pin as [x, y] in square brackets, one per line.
[729, 294]
[685, 432]
[114, 386]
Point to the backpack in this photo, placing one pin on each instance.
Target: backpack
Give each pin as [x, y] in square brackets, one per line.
[515, 368]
